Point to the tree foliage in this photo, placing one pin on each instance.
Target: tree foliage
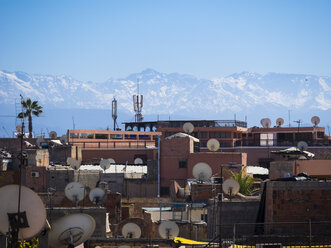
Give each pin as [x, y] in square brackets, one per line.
[246, 183]
[30, 108]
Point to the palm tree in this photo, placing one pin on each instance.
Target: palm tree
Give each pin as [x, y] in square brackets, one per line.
[30, 108]
[246, 183]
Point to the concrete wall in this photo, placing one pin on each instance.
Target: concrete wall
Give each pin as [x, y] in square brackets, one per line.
[59, 178]
[59, 154]
[119, 155]
[88, 178]
[115, 181]
[279, 169]
[232, 214]
[140, 188]
[37, 157]
[298, 201]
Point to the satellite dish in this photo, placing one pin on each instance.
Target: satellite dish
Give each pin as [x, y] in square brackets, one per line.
[188, 127]
[279, 122]
[230, 187]
[97, 196]
[64, 139]
[266, 122]
[131, 230]
[105, 164]
[315, 120]
[75, 164]
[19, 128]
[213, 145]
[202, 171]
[168, 229]
[73, 229]
[75, 192]
[302, 145]
[30, 204]
[138, 161]
[52, 135]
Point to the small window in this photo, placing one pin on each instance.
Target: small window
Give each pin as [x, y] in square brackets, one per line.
[101, 136]
[320, 134]
[164, 191]
[182, 164]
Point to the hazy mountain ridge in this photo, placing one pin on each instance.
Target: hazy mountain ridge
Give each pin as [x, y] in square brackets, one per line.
[244, 93]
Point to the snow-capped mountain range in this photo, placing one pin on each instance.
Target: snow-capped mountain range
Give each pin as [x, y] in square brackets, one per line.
[244, 94]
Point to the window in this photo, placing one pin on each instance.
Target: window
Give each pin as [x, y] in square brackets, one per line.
[320, 134]
[130, 136]
[182, 163]
[101, 136]
[164, 191]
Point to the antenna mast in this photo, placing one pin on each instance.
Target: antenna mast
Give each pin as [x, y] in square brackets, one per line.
[138, 105]
[114, 112]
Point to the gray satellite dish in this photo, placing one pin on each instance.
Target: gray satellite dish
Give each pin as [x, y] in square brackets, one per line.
[188, 127]
[230, 187]
[64, 139]
[168, 229]
[138, 161]
[266, 122]
[302, 146]
[75, 192]
[73, 229]
[279, 122]
[202, 171]
[30, 204]
[74, 163]
[131, 230]
[315, 120]
[97, 196]
[105, 163]
[52, 135]
[213, 145]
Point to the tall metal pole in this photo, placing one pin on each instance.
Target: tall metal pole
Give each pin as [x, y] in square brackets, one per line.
[158, 166]
[220, 201]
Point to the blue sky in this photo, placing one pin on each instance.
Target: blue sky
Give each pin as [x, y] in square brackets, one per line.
[96, 40]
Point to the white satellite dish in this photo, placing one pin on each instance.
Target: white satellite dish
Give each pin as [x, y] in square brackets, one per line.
[19, 128]
[30, 203]
[188, 127]
[230, 187]
[213, 145]
[52, 135]
[97, 196]
[315, 120]
[131, 230]
[302, 146]
[138, 161]
[64, 139]
[73, 229]
[279, 122]
[168, 229]
[105, 164]
[75, 192]
[202, 171]
[266, 122]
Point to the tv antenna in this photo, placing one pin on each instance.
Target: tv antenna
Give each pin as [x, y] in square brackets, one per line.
[75, 192]
[315, 120]
[279, 122]
[71, 230]
[138, 105]
[114, 112]
[202, 171]
[131, 230]
[213, 145]
[24, 222]
[266, 122]
[168, 229]
[188, 127]
[230, 187]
